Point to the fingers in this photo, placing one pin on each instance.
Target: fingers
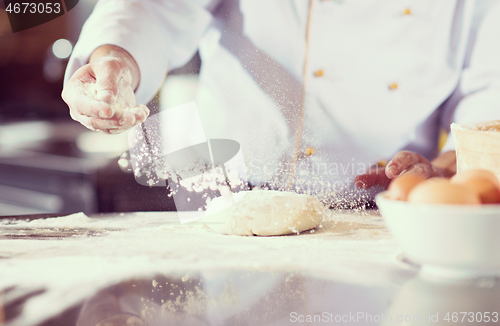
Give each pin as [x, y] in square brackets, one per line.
[78, 101]
[130, 118]
[95, 124]
[422, 169]
[402, 161]
[141, 112]
[110, 76]
[98, 113]
[374, 177]
[107, 86]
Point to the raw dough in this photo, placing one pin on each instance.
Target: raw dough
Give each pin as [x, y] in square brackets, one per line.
[264, 212]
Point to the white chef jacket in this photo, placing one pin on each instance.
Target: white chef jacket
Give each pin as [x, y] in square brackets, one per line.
[382, 76]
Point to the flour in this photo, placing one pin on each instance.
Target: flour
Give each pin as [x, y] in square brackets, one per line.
[264, 212]
[69, 221]
[147, 243]
[124, 101]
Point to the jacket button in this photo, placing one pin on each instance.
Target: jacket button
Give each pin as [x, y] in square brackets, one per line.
[309, 151]
[382, 163]
[319, 73]
[393, 86]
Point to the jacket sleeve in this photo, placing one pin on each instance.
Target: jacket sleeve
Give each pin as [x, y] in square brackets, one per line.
[480, 82]
[160, 35]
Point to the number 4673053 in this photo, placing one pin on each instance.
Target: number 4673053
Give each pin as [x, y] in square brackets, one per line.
[33, 8]
[471, 317]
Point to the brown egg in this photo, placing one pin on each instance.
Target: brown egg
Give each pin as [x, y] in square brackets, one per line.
[401, 186]
[442, 191]
[488, 192]
[474, 174]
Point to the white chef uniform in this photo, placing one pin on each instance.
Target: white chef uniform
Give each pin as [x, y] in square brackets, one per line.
[379, 73]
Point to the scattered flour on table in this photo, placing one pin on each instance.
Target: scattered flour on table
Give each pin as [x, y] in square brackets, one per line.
[151, 242]
[353, 223]
[69, 221]
[264, 212]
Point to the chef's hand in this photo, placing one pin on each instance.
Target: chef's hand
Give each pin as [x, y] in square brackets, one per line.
[408, 162]
[112, 69]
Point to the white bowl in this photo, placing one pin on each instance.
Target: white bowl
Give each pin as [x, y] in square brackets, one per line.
[447, 240]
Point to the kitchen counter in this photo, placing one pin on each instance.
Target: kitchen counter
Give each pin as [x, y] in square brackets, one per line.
[81, 270]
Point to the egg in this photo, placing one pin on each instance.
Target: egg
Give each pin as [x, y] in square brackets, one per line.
[401, 186]
[483, 182]
[442, 191]
[474, 174]
[488, 192]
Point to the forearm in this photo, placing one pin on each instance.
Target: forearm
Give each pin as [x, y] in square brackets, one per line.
[446, 163]
[122, 57]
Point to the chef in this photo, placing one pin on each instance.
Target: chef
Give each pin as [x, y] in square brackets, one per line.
[324, 96]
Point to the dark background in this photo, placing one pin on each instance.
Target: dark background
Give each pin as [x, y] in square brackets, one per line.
[50, 173]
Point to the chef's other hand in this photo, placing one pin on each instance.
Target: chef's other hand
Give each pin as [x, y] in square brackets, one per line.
[113, 70]
[408, 162]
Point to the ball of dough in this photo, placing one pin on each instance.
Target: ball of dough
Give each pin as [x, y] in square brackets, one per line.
[264, 212]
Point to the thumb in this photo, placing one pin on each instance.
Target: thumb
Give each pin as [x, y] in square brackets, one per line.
[372, 178]
[107, 77]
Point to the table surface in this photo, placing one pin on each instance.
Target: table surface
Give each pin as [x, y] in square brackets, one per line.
[81, 270]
